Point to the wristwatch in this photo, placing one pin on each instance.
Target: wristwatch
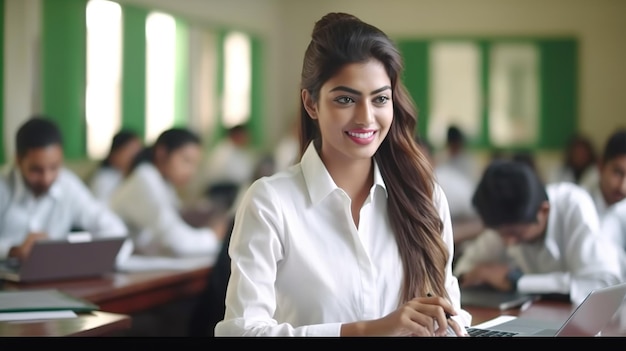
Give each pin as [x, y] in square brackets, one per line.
[513, 276]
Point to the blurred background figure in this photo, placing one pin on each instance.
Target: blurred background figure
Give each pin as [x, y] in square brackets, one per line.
[287, 151]
[110, 172]
[226, 168]
[579, 164]
[148, 202]
[459, 189]
[457, 156]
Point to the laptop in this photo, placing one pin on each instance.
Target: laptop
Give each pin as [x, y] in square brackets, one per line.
[79, 256]
[588, 319]
[485, 296]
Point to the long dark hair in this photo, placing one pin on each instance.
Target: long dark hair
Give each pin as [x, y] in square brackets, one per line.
[120, 139]
[171, 139]
[339, 39]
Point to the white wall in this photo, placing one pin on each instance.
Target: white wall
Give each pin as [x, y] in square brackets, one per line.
[21, 74]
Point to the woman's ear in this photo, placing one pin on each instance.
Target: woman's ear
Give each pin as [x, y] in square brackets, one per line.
[309, 105]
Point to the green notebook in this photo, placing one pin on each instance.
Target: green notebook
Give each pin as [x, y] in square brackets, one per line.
[42, 300]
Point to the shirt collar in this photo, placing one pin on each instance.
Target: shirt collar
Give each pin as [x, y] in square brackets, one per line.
[22, 192]
[318, 181]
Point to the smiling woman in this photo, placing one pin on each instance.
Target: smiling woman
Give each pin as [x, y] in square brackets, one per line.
[359, 223]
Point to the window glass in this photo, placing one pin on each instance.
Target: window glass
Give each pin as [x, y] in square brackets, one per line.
[104, 42]
[237, 79]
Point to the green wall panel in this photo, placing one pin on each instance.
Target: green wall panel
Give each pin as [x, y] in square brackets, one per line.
[181, 76]
[64, 45]
[257, 123]
[416, 79]
[559, 92]
[134, 69]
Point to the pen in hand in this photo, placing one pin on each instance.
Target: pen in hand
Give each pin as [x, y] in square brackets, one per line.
[449, 329]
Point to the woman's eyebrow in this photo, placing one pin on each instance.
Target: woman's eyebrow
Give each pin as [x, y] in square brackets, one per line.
[356, 92]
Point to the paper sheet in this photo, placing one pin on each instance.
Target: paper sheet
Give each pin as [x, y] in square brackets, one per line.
[22, 316]
[494, 321]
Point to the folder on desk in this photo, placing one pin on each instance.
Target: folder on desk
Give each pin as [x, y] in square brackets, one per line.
[42, 300]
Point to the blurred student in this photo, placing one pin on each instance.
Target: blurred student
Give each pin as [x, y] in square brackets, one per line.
[457, 156]
[609, 193]
[355, 239]
[227, 167]
[41, 199]
[148, 202]
[610, 188]
[579, 165]
[543, 239]
[125, 145]
[287, 150]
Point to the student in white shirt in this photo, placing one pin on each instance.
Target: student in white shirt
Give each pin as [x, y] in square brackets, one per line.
[40, 198]
[609, 191]
[148, 202]
[614, 226]
[579, 165]
[112, 170]
[226, 169]
[610, 187]
[544, 239]
[354, 238]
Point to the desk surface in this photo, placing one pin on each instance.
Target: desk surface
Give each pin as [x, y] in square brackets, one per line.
[127, 293]
[96, 323]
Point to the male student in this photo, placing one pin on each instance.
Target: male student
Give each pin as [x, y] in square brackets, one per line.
[609, 191]
[610, 188]
[40, 198]
[542, 239]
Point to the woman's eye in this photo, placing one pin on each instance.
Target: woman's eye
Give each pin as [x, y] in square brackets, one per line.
[344, 100]
[381, 99]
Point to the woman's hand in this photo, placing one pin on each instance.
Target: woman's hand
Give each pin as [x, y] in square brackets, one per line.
[422, 316]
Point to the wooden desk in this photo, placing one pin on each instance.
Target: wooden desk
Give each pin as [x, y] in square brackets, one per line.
[127, 293]
[97, 323]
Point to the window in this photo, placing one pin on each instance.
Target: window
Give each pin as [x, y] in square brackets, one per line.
[237, 79]
[104, 33]
[455, 90]
[514, 95]
[160, 73]
[505, 93]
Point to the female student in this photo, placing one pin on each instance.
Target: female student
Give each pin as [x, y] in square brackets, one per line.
[112, 170]
[356, 238]
[148, 202]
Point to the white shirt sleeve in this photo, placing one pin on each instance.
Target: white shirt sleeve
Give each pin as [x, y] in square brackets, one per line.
[91, 214]
[143, 202]
[487, 247]
[586, 261]
[104, 182]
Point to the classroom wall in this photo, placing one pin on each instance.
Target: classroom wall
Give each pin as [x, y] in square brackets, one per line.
[285, 27]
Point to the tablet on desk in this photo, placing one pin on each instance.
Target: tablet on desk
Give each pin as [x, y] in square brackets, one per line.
[485, 296]
[77, 257]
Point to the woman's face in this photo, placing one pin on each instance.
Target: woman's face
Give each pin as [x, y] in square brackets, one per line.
[180, 165]
[123, 158]
[354, 112]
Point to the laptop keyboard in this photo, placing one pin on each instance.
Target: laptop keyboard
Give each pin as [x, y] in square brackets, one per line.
[476, 332]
